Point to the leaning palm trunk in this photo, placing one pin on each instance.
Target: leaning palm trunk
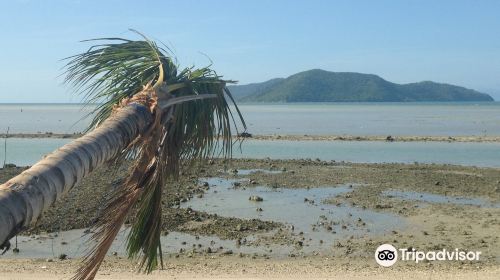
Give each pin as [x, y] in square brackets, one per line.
[149, 113]
[24, 197]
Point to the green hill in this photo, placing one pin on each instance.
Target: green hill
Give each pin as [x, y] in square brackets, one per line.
[323, 86]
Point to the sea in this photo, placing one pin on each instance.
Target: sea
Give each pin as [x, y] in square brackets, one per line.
[354, 119]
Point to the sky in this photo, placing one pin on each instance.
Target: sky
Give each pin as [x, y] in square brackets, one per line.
[402, 41]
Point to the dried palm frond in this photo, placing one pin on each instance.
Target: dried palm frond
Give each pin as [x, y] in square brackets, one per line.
[192, 121]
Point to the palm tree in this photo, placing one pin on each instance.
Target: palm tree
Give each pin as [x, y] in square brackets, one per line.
[149, 112]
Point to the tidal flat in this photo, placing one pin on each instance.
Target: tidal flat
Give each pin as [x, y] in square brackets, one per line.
[290, 209]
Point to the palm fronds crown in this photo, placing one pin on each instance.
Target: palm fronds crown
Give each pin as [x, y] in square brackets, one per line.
[193, 120]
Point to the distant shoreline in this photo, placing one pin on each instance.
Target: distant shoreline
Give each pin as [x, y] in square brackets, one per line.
[386, 138]
[277, 137]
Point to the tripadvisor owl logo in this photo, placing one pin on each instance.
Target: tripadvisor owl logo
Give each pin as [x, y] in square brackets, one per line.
[386, 255]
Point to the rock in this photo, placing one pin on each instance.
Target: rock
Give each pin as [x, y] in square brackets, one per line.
[245, 135]
[115, 253]
[259, 209]
[283, 169]
[205, 184]
[228, 252]
[389, 138]
[255, 198]
[383, 206]
[236, 184]
[63, 256]
[437, 183]
[208, 250]
[15, 250]
[240, 227]
[49, 260]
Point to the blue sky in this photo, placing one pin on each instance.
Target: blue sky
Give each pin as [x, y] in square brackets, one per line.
[454, 42]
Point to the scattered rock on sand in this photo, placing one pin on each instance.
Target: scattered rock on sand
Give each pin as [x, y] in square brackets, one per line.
[255, 198]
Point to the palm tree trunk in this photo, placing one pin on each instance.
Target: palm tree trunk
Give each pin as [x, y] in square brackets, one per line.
[24, 197]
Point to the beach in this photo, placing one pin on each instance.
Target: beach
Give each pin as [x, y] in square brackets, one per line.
[250, 140]
[422, 206]
[224, 267]
[292, 203]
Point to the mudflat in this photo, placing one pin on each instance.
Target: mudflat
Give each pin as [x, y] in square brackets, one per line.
[354, 209]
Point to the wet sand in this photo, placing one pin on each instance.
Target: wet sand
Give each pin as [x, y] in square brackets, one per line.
[436, 207]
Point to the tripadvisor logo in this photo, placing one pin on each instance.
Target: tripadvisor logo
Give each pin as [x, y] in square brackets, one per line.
[386, 255]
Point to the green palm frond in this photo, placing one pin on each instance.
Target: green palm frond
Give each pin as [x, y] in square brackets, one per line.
[116, 69]
[199, 127]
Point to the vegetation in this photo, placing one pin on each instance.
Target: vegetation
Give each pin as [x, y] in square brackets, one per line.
[323, 86]
[152, 113]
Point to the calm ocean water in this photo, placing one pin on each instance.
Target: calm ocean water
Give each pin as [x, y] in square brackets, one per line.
[445, 119]
[28, 151]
